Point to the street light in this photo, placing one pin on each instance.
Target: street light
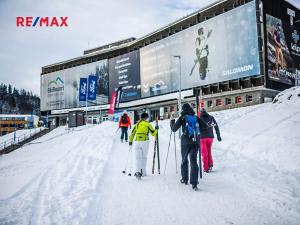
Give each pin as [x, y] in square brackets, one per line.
[179, 99]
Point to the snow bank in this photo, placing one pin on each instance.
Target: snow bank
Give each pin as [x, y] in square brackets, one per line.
[267, 132]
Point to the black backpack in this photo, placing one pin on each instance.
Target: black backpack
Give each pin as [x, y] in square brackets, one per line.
[124, 119]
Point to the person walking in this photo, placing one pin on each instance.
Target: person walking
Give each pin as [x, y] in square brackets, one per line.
[140, 134]
[124, 123]
[189, 144]
[206, 139]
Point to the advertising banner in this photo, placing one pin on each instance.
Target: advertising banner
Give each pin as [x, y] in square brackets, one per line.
[283, 50]
[82, 89]
[61, 89]
[92, 87]
[222, 48]
[124, 71]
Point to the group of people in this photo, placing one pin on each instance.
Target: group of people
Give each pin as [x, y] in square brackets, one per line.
[197, 133]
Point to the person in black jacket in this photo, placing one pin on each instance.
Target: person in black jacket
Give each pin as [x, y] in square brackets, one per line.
[189, 147]
[207, 137]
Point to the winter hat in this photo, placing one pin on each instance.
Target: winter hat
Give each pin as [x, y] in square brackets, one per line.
[144, 115]
[124, 112]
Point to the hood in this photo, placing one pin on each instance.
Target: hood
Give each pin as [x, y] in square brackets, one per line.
[204, 114]
[187, 110]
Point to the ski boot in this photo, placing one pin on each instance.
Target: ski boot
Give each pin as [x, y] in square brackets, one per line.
[138, 175]
[194, 187]
[184, 181]
[210, 168]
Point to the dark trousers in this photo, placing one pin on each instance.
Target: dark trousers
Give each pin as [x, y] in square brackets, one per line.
[190, 151]
[124, 133]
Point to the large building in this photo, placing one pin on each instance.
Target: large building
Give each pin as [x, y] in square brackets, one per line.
[232, 53]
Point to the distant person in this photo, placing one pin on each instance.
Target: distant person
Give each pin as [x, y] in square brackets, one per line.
[189, 144]
[141, 145]
[124, 124]
[206, 139]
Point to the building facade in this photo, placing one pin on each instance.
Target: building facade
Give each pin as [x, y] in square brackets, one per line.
[229, 54]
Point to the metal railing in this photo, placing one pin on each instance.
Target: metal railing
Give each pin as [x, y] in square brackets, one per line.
[19, 139]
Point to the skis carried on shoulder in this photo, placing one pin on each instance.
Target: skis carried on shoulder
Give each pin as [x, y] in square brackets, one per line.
[156, 151]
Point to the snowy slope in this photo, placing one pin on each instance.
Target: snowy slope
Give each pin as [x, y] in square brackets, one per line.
[75, 177]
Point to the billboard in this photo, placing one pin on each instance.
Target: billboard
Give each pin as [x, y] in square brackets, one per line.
[124, 71]
[219, 49]
[62, 89]
[283, 50]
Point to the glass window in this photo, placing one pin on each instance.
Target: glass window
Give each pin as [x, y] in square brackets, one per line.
[228, 101]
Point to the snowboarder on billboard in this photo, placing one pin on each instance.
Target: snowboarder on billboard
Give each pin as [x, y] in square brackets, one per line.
[206, 139]
[140, 134]
[190, 124]
[202, 53]
[124, 124]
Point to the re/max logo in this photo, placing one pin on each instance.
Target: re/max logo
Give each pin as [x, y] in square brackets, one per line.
[46, 21]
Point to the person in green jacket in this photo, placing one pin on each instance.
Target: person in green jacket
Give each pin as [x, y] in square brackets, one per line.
[140, 134]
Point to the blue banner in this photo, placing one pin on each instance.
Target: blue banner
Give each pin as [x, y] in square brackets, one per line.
[82, 89]
[92, 87]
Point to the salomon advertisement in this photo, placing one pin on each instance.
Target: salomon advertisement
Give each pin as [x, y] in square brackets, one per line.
[124, 71]
[219, 49]
[61, 89]
[283, 50]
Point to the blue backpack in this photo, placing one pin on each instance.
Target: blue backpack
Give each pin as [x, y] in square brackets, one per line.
[191, 128]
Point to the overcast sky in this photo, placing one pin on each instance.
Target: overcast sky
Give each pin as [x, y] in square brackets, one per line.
[23, 51]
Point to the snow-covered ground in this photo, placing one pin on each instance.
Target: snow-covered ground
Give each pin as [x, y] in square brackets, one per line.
[75, 177]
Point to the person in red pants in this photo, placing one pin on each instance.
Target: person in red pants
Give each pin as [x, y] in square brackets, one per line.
[206, 139]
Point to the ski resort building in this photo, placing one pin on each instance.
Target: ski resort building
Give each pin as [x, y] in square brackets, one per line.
[232, 53]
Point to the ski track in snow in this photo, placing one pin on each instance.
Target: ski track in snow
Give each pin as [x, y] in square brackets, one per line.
[76, 177]
[61, 193]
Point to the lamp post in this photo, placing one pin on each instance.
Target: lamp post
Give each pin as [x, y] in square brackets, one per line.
[179, 97]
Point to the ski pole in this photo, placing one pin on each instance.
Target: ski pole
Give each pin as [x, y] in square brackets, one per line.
[175, 153]
[157, 149]
[130, 162]
[200, 162]
[168, 153]
[128, 154]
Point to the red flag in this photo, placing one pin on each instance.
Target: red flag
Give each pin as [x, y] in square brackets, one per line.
[112, 103]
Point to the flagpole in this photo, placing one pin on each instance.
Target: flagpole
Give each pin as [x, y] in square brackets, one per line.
[86, 95]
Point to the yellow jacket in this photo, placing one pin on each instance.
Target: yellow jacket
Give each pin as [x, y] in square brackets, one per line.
[141, 131]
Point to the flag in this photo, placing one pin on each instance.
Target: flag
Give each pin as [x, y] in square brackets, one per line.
[82, 89]
[92, 87]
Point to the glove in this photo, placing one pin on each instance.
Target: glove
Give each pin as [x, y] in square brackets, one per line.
[130, 143]
[156, 127]
[219, 138]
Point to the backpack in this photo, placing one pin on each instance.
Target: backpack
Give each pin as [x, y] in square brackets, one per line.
[191, 128]
[124, 119]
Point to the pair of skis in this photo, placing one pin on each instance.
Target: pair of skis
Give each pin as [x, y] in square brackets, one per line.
[156, 151]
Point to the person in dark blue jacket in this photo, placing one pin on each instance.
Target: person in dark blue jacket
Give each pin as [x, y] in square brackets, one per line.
[188, 148]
